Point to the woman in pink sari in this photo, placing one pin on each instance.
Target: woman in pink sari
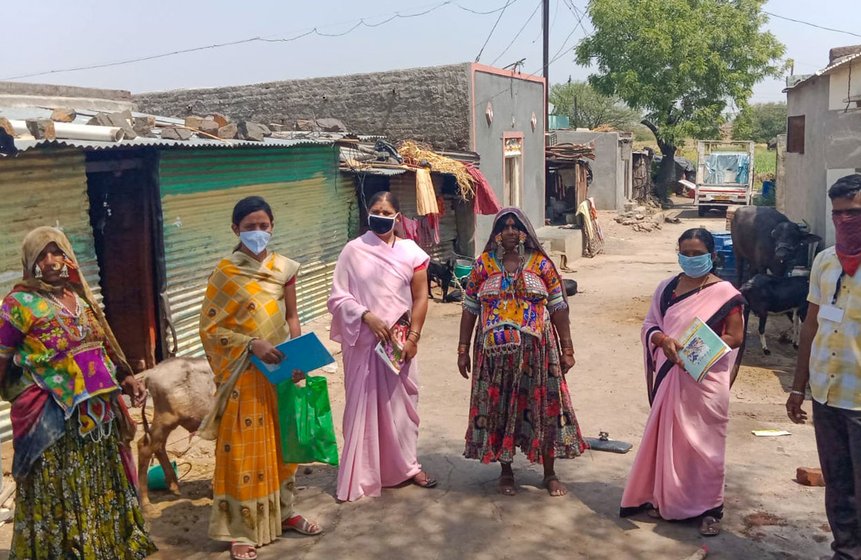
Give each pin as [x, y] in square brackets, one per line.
[679, 469]
[379, 277]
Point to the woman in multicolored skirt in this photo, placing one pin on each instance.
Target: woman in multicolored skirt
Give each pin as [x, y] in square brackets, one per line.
[63, 371]
[523, 350]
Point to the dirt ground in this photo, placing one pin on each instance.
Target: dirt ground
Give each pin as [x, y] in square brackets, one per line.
[768, 515]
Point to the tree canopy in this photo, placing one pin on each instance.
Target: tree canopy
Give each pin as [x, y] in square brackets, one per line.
[679, 61]
[587, 108]
[760, 122]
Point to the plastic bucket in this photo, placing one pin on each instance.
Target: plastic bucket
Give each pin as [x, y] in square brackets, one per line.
[462, 268]
[155, 477]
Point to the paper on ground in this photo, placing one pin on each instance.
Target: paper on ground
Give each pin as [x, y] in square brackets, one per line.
[770, 433]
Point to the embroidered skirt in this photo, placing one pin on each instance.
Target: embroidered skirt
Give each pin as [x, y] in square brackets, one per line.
[521, 400]
[77, 502]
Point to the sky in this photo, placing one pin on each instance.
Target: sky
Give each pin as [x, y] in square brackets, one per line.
[51, 35]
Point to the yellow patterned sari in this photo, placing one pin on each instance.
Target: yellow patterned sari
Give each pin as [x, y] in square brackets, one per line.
[252, 486]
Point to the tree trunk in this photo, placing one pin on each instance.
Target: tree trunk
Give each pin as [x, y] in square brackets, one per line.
[667, 169]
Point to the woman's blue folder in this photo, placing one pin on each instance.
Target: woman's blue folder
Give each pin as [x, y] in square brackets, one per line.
[305, 353]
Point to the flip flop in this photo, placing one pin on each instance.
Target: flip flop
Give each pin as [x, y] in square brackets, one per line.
[710, 526]
[654, 513]
[506, 485]
[249, 554]
[428, 482]
[554, 478]
[302, 526]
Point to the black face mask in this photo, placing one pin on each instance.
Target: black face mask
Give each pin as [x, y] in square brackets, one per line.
[381, 225]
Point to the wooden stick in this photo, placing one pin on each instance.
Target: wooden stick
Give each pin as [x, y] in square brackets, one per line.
[196, 131]
[8, 492]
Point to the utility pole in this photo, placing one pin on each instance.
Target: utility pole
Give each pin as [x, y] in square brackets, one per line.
[546, 27]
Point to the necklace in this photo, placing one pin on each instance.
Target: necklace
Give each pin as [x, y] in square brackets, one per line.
[509, 279]
[59, 303]
[73, 323]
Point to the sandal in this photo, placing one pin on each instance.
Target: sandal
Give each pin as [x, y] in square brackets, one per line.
[247, 552]
[302, 526]
[654, 513]
[506, 485]
[426, 482]
[559, 490]
[710, 526]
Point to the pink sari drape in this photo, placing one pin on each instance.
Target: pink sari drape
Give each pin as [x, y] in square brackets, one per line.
[381, 421]
[679, 467]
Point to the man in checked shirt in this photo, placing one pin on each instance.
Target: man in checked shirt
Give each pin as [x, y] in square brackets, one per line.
[829, 359]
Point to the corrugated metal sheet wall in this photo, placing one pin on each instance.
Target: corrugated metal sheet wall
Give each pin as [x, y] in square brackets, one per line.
[43, 188]
[313, 207]
[404, 187]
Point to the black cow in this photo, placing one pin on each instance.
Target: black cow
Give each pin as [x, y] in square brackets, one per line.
[767, 241]
[772, 294]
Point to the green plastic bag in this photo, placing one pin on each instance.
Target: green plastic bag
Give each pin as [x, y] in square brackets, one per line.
[307, 432]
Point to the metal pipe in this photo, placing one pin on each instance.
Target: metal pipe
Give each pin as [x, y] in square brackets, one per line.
[76, 131]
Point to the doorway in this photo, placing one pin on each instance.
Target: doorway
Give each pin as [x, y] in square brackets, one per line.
[121, 187]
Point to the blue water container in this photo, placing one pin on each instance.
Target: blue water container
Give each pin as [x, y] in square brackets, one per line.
[722, 240]
[767, 189]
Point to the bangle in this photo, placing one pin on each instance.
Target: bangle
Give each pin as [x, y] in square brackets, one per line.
[362, 318]
[568, 351]
[799, 393]
[417, 333]
[462, 348]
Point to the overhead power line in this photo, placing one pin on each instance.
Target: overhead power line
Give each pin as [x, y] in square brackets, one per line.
[802, 22]
[363, 22]
[505, 50]
[492, 29]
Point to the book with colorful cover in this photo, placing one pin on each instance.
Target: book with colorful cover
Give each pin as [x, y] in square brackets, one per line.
[701, 349]
[392, 353]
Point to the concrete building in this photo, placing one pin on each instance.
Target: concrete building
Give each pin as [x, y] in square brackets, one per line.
[499, 114]
[612, 172]
[823, 140]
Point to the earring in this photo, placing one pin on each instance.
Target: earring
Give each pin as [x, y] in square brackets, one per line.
[64, 272]
[521, 245]
[500, 250]
[37, 272]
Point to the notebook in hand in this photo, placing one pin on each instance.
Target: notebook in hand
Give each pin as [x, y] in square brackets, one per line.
[701, 349]
[392, 352]
[305, 353]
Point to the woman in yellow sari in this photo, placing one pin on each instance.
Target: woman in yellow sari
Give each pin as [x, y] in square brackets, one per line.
[250, 306]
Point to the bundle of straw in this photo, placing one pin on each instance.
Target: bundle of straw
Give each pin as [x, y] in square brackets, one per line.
[416, 155]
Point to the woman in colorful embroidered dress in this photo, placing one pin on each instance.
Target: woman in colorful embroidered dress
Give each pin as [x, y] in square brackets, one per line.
[62, 369]
[679, 469]
[249, 307]
[522, 349]
[379, 278]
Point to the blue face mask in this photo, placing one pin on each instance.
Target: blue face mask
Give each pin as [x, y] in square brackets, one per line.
[696, 267]
[255, 241]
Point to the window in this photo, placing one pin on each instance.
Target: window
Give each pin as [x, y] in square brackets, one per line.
[513, 188]
[795, 135]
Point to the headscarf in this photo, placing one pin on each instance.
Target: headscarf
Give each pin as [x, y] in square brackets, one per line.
[532, 241]
[33, 245]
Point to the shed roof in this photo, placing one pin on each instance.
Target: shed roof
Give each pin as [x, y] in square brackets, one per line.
[838, 63]
[195, 142]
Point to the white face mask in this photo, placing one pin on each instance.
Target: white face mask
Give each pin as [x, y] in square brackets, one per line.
[255, 241]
